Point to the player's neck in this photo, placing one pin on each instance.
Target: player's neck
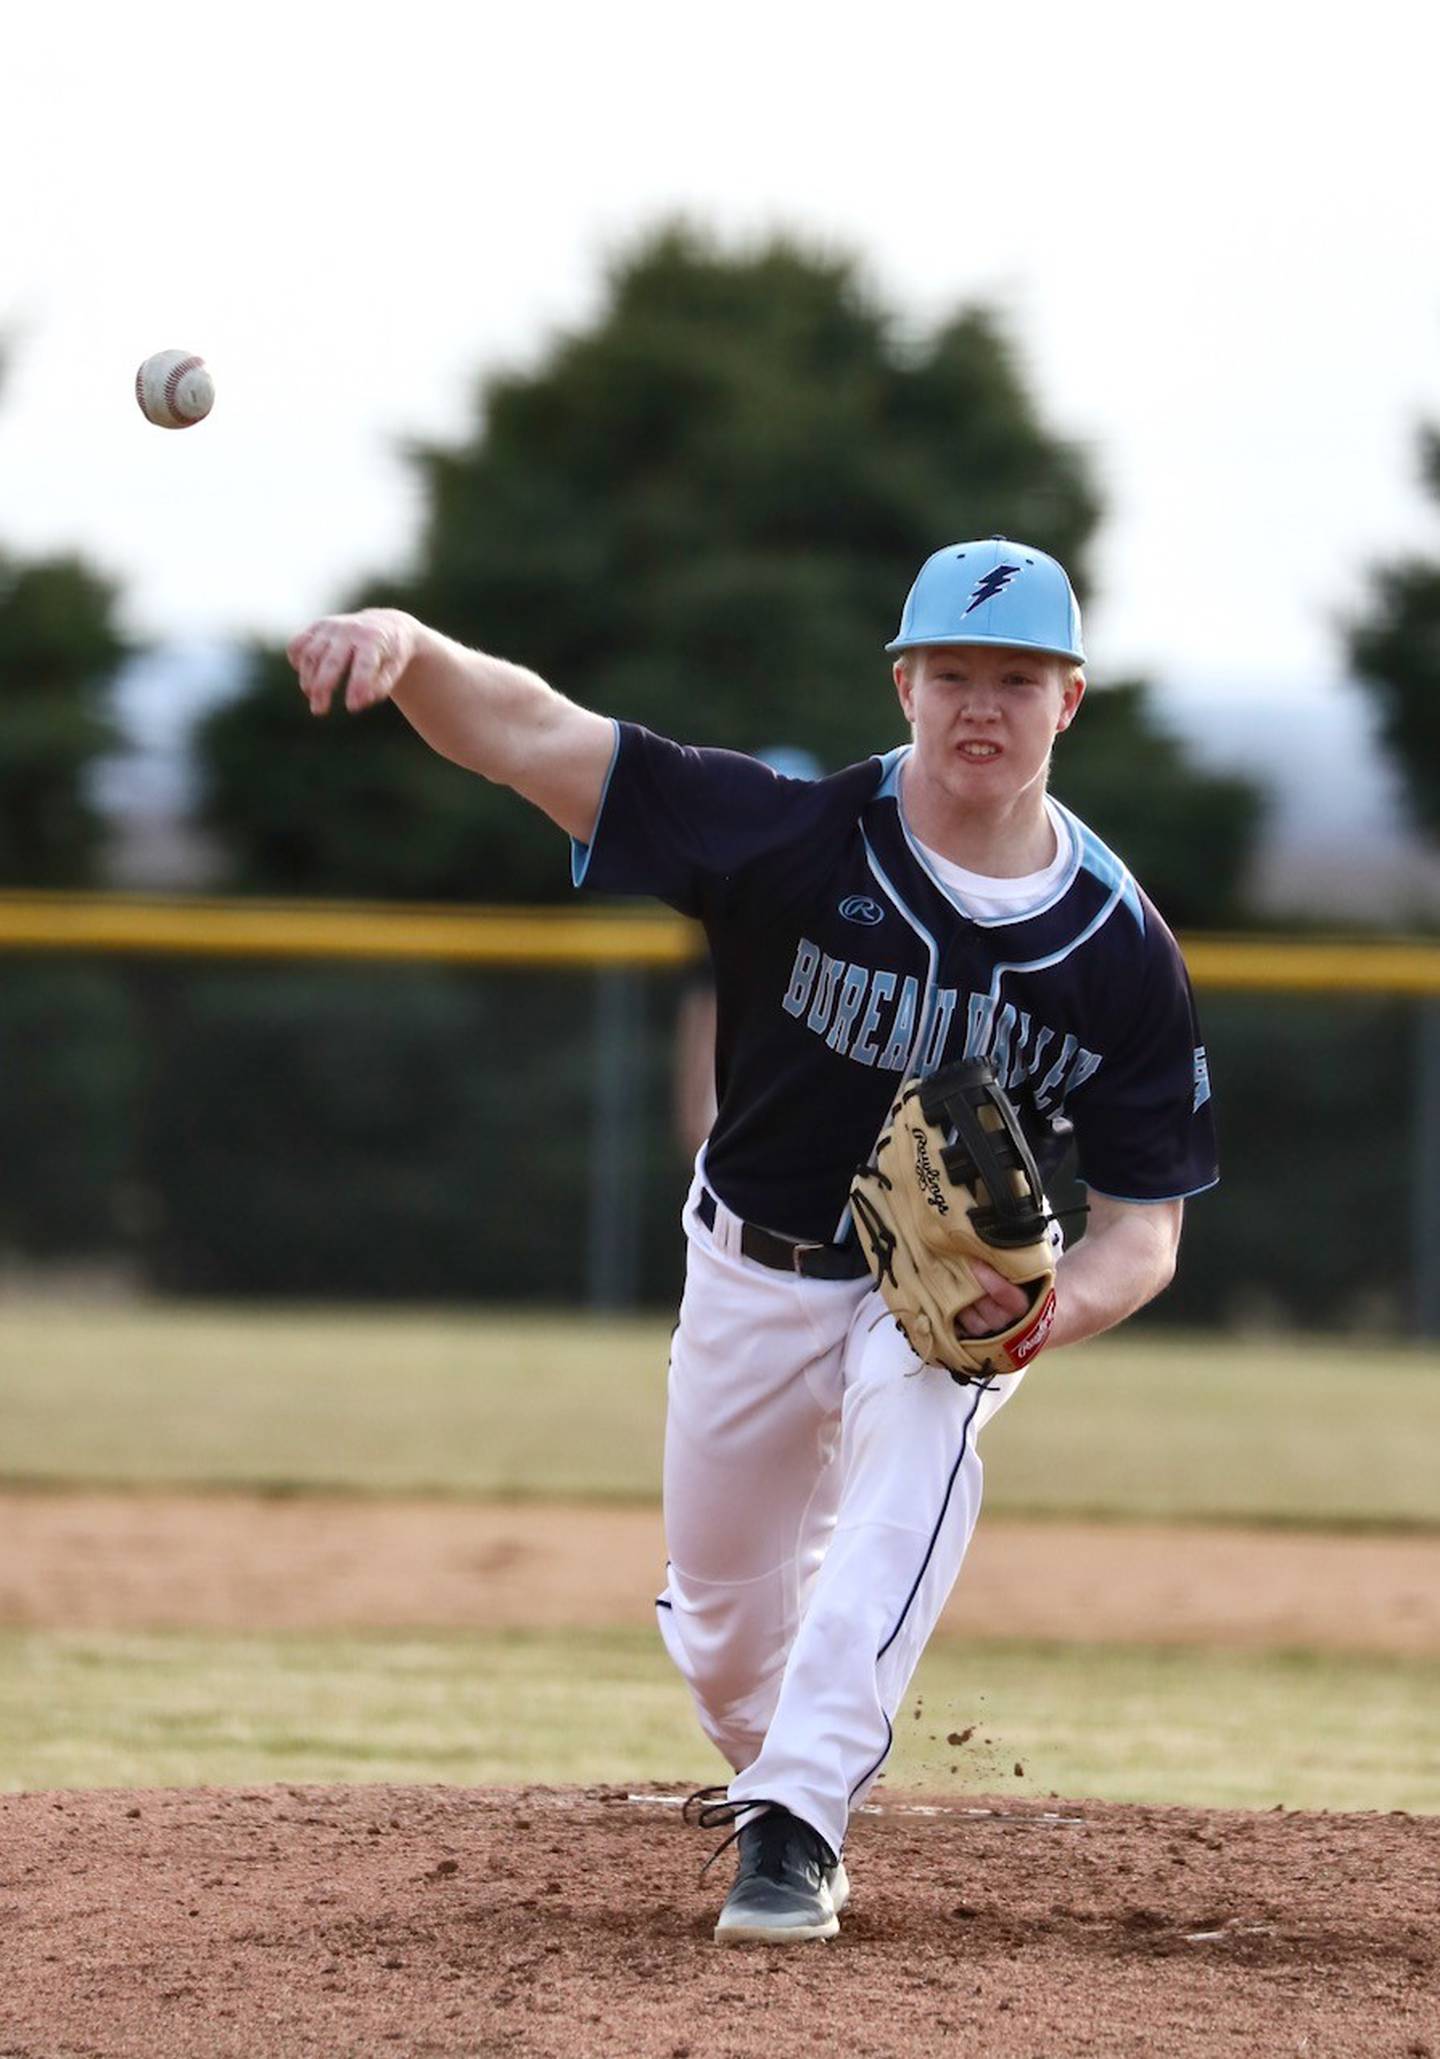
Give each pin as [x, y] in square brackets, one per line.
[1007, 838]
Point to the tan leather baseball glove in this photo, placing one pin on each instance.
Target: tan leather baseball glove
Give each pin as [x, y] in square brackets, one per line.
[953, 1180]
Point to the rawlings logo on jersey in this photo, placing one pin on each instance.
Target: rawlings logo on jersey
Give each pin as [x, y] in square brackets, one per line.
[860, 908]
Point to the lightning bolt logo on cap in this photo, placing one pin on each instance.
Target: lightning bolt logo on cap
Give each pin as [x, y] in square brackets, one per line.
[993, 583]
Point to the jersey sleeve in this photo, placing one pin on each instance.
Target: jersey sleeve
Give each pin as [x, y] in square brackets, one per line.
[1145, 1124]
[676, 821]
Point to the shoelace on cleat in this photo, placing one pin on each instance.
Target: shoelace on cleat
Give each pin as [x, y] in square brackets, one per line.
[712, 1808]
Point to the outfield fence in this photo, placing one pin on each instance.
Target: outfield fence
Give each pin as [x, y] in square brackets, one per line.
[1333, 1044]
[386, 931]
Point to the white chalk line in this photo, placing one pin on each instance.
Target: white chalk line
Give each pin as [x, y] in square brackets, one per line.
[1051, 1818]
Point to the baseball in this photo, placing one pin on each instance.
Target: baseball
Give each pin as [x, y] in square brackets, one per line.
[174, 389]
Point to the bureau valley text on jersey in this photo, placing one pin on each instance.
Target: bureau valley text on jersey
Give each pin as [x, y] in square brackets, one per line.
[875, 1018]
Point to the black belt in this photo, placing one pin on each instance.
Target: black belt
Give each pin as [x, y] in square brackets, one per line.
[784, 1255]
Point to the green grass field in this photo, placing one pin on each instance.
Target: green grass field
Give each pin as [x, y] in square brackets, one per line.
[1206, 1729]
[488, 1407]
[497, 1407]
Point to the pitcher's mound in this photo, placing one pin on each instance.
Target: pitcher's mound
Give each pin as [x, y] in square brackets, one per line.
[545, 1921]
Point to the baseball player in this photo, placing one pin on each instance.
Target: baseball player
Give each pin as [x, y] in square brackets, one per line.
[933, 903]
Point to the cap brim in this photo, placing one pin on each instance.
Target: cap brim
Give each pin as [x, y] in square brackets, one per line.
[1004, 643]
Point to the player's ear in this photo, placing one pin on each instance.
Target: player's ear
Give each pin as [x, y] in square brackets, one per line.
[1072, 693]
[904, 686]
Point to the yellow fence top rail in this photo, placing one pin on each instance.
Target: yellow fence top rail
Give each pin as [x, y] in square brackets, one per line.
[341, 929]
[594, 936]
[1314, 965]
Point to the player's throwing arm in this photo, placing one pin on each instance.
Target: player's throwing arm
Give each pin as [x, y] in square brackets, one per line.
[498, 719]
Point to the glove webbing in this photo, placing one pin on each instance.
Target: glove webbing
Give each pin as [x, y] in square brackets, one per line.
[989, 1152]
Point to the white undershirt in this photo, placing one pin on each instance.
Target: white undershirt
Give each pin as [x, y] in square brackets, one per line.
[1006, 900]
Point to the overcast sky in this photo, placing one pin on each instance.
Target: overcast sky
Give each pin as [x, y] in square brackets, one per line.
[1213, 230]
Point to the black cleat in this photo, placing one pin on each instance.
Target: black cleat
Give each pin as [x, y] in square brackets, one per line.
[790, 1886]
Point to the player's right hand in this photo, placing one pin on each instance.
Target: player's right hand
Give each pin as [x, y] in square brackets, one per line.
[363, 654]
[1001, 1304]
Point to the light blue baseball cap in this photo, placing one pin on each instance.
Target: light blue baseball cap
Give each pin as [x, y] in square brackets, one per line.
[992, 592]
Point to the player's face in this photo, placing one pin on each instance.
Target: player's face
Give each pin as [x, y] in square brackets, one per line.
[985, 716]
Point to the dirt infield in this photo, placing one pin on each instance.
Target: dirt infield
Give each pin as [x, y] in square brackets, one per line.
[539, 1922]
[227, 1923]
[237, 1562]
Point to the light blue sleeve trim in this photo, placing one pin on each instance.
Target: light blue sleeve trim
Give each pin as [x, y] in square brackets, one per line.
[1111, 871]
[1150, 1200]
[890, 764]
[580, 853]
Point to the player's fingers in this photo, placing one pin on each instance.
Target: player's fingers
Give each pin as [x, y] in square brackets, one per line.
[300, 652]
[360, 682]
[982, 1318]
[1001, 1304]
[987, 1276]
[308, 653]
[323, 669]
[320, 654]
[372, 671]
[300, 643]
[998, 1288]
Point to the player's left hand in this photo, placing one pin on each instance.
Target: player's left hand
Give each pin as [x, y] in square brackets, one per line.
[1001, 1304]
[952, 1217]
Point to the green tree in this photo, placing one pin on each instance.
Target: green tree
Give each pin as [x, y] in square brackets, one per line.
[59, 649]
[66, 1059]
[1395, 648]
[701, 512]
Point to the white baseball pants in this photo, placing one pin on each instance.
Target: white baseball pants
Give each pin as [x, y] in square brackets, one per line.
[821, 1488]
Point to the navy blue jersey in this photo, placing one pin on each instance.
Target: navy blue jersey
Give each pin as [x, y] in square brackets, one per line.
[843, 964]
